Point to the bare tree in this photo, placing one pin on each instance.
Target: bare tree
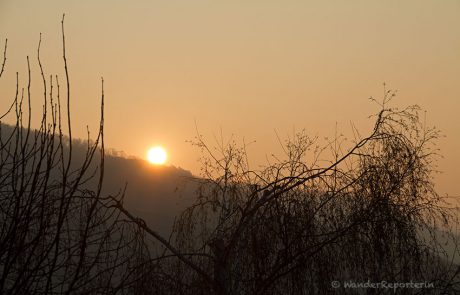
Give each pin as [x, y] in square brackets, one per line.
[58, 236]
[293, 227]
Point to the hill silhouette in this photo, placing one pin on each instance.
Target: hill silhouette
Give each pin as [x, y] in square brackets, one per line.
[154, 193]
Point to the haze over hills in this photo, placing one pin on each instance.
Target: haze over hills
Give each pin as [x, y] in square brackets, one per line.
[154, 193]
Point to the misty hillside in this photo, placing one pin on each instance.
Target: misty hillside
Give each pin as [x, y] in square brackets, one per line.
[155, 193]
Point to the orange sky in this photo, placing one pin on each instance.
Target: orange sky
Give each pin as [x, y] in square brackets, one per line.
[243, 67]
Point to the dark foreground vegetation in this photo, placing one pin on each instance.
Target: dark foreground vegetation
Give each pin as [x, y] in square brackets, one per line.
[370, 214]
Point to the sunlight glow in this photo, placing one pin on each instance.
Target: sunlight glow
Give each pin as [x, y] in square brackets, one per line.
[157, 155]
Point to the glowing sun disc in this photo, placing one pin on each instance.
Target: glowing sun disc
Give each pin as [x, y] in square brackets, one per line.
[157, 155]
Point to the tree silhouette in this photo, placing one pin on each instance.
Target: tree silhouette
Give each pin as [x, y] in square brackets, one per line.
[370, 213]
[56, 235]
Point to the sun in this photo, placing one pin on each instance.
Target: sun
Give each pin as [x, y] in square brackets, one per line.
[157, 155]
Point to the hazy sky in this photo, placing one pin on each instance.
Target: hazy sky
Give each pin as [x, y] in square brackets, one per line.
[243, 67]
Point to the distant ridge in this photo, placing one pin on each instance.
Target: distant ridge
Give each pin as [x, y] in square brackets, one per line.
[155, 193]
